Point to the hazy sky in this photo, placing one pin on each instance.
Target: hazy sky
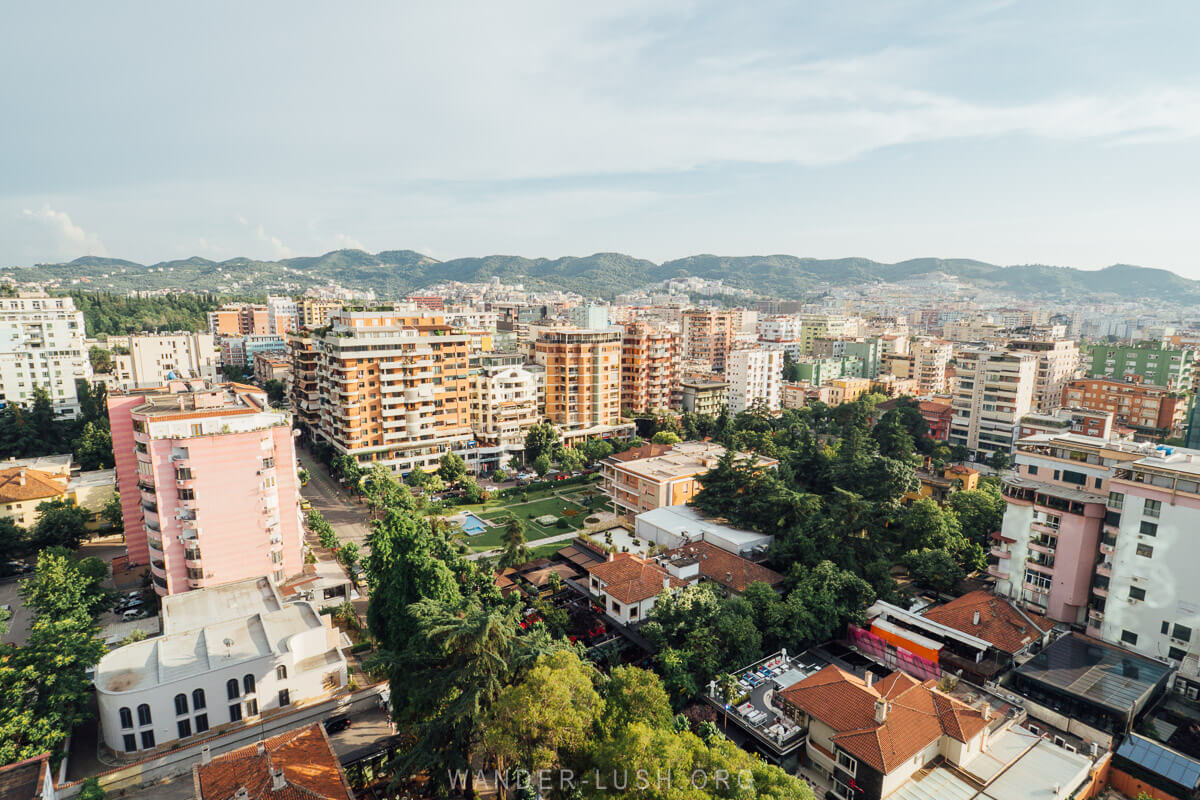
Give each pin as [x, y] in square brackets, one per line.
[1061, 133]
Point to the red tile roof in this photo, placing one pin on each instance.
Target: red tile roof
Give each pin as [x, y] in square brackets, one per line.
[310, 770]
[722, 567]
[631, 579]
[21, 483]
[917, 714]
[999, 622]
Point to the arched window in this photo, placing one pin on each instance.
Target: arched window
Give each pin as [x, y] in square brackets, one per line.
[180, 704]
[143, 714]
[126, 718]
[231, 688]
[198, 699]
[281, 673]
[248, 684]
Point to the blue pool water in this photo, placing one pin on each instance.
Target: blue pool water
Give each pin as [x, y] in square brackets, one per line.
[472, 524]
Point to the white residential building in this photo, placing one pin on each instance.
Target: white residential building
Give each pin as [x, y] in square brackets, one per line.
[994, 389]
[154, 358]
[930, 359]
[228, 656]
[755, 376]
[504, 405]
[42, 346]
[1058, 361]
[283, 315]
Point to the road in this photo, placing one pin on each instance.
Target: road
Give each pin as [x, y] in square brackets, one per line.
[347, 517]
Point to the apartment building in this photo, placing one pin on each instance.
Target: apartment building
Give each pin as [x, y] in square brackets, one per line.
[865, 350]
[994, 390]
[899, 365]
[314, 312]
[649, 368]
[42, 346]
[394, 386]
[239, 351]
[700, 396]
[271, 367]
[707, 334]
[1058, 361]
[930, 357]
[504, 406]
[1046, 549]
[240, 319]
[583, 381]
[1150, 362]
[152, 359]
[1146, 596]
[784, 328]
[283, 315]
[1069, 420]
[656, 475]
[207, 477]
[303, 389]
[589, 315]
[822, 326]
[755, 376]
[1153, 412]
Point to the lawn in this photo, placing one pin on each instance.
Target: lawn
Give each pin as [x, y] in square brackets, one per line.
[570, 507]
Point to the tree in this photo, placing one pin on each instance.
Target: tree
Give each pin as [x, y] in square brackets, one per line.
[472, 492]
[980, 511]
[100, 358]
[62, 586]
[547, 718]
[515, 552]
[631, 695]
[934, 569]
[346, 469]
[14, 541]
[570, 459]
[348, 554]
[665, 437]
[541, 465]
[595, 450]
[276, 392]
[515, 463]
[894, 440]
[111, 513]
[93, 448]
[91, 790]
[451, 468]
[416, 477]
[540, 440]
[999, 461]
[499, 475]
[60, 523]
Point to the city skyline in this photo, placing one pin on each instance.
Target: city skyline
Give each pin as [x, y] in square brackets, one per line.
[1009, 133]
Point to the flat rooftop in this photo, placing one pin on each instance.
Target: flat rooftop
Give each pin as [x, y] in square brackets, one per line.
[1097, 672]
[230, 601]
[682, 460]
[683, 519]
[227, 397]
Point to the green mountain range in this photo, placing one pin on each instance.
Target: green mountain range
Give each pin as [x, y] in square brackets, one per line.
[394, 273]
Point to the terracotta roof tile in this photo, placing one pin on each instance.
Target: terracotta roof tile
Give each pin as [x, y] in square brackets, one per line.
[722, 567]
[37, 485]
[999, 622]
[631, 579]
[309, 766]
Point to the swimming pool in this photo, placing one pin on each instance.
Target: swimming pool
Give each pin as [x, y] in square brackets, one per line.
[472, 524]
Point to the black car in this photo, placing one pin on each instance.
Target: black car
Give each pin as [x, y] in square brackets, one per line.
[338, 723]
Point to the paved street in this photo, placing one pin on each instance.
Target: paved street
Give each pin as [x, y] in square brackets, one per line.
[346, 516]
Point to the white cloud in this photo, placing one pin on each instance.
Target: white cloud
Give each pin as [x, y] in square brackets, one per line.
[278, 248]
[65, 239]
[344, 242]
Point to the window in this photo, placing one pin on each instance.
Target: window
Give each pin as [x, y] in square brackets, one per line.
[130, 742]
[126, 718]
[231, 688]
[285, 698]
[1137, 593]
[1077, 478]
[1176, 653]
[197, 429]
[235, 712]
[198, 699]
[281, 673]
[181, 704]
[1033, 469]
[847, 763]
[1037, 580]
[251, 707]
[143, 714]
[147, 740]
[1182, 633]
[1149, 528]
[1129, 637]
[187, 494]
[1152, 508]
[1116, 500]
[1145, 551]
[185, 728]
[1166, 627]
[201, 723]
[248, 684]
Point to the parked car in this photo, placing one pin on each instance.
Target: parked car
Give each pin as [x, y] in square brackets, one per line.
[337, 723]
[134, 613]
[304, 504]
[126, 604]
[17, 568]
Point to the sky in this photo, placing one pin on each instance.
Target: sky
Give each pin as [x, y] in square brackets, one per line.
[1063, 133]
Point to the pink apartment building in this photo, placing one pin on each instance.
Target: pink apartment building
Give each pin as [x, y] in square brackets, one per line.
[208, 484]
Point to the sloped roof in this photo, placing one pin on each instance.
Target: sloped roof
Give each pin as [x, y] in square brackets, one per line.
[999, 622]
[917, 714]
[725, 568]
[631, 579]
[309, 766]
[37, 485]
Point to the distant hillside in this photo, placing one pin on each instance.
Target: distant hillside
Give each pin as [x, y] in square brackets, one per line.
[394, 273]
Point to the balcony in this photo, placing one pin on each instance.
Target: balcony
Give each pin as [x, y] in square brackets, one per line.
[191, 558]
[1104, 568]
[999, 553]
[1100, 591]
[146, 482]
[154, 543]
[998, 571]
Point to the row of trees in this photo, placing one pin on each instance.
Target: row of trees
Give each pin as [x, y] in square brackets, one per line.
[34, 429]
[44, 686]
[106, 314]
[60, 523]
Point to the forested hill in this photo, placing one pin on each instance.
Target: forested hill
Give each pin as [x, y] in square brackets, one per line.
[393, 273]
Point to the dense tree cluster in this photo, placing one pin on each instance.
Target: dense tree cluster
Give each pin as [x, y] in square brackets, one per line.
[34, 429]
[106, 314]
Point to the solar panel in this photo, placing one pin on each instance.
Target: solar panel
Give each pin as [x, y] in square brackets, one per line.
[1099, 672]
[1159, 760]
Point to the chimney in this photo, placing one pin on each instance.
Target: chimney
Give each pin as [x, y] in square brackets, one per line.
[987, 711]
[206, 754]
[277, 779]
[869, 678]
[261, 747]
[881, 709]
[975, 617]
[666, 581]
[241, 794]
[21, 477]
[611, 556]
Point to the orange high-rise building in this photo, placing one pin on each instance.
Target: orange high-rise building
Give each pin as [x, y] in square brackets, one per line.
[706, 336]
[583, 380]
[649, 368]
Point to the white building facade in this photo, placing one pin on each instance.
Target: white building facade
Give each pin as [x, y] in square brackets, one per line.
[154, 358]
[755, 377]
[42, 346]
[994, 389]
